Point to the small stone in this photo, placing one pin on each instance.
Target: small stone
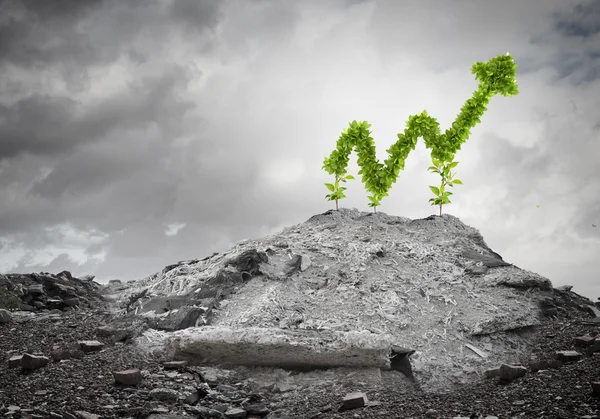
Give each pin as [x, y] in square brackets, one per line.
[431, 413]
[173, 365]
[207, 413]
[15, 361]
[164, 395]
[510, 372]
[33, 362]
[105, 331]
[492, 373]
[192, 398]
[596, 345]
[5, 316]
[90, 345]
[568, 356]
[235, 413]
[596, 387]
[259, 409]
[538, 365]
[353, 401]
[59, 353]
[583, 340]
[129, 377]
[72, 301]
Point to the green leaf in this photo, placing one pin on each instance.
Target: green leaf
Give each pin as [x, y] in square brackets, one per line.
[456, 181]
[350, 177]
[435, 190]
[330, 187]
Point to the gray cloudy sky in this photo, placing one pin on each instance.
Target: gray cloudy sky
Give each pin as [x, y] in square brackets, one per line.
[138, 133]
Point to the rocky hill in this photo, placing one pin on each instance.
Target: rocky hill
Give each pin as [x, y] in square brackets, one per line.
[345, 302]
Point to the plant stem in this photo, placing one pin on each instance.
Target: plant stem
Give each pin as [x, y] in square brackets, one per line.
[440, 209]
[336, 204]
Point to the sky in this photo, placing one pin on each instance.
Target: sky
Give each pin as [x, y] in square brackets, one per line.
[135, 134]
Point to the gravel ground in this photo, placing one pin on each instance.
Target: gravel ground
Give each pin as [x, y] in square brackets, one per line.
[61, 389]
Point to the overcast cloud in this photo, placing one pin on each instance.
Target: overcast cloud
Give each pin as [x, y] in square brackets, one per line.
[134, 134]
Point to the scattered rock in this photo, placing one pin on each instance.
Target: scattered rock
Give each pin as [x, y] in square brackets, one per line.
[207, 413]
[538, 365]
[5, 316]
[15, 361]
[164, 395]
[583, 340]
[131, 377]
[90, 345]
[353, 401]
[174, 365]
[492, 373]
[235, 412]
[511, 372]
[32, 362]
[568, 356]
[431, 413]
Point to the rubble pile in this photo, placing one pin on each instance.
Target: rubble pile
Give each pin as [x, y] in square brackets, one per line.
[348, 312]
[45, 291]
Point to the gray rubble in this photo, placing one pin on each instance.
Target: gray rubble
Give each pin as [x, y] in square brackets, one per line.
[347, 303]
[432, 286]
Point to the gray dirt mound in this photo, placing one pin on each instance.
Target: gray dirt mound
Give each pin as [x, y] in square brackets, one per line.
[344, 289]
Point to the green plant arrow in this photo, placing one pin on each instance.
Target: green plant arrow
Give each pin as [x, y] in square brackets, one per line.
[496, 76]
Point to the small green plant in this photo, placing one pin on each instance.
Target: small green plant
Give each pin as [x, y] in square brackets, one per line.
[8, 300]
[337, 191]
[442, 196]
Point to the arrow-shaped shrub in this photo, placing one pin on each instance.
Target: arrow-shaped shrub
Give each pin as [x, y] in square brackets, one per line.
[496, 76]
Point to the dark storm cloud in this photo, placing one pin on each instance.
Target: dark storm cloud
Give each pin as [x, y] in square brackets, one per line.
[42, 124]
[53, 118]
[89, 32]
[582, 21]
[27, 27]
[196, 14]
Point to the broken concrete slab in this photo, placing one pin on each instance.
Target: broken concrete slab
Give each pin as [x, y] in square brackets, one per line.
[290, 349]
